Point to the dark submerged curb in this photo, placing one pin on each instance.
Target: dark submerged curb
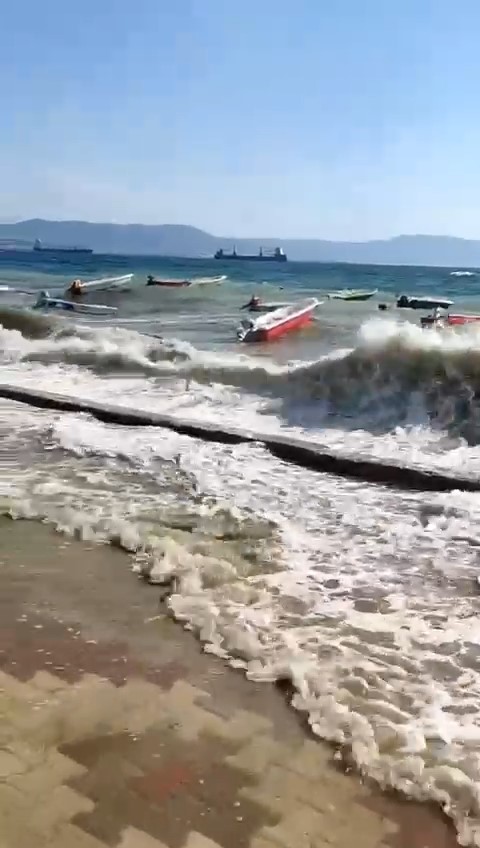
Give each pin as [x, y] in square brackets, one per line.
[295, 452]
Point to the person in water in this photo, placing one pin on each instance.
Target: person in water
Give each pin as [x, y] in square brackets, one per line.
[76, 287]
[253, 303]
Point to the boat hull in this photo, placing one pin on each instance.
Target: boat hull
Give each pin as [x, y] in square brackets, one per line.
[245, 258]
[459, 320]
[289, 324]
[63, 251]
[352, 297]
[170, 284]
[55, 304]
[105, 284]
[183, 284]
[423, 303]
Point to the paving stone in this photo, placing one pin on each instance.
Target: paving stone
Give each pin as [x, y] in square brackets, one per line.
[279, 784]
[301, 827]
[13, 688]
[255, 756]
[133, 838]
[261, 842]
[16, 828]
[244, 725]
[138, 757]
[310, 760]
[196, 840]
[42, 779]
[61, 806]
[71, 836]
[10, 765]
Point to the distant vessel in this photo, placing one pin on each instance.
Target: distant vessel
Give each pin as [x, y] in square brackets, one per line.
[278, 255]
[40, 248]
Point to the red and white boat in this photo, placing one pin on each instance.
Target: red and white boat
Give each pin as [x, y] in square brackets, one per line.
[459, 320]
[278, 323]
[443, 322]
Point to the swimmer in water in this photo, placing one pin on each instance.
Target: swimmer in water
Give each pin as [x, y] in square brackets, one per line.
[253, 303]
[76, 287]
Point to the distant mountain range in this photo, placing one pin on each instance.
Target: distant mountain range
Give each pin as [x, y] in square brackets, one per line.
[183, 241]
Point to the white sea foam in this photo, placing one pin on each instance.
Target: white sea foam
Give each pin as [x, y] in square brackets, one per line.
[365, 598]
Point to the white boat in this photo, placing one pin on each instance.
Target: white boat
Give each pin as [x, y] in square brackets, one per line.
[208, 281]
[102, 284]
[278, 323]
[48, 303]
[173, 283]
[353, 294]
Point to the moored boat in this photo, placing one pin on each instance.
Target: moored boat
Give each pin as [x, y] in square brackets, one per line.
[102, 284]
[352, 294]
[279, 322]
[45, 301]
[407, 302]
[443, 322]
[172, 283]
[454, 320]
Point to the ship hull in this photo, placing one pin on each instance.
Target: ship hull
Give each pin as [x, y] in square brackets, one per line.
[54, 251]
[229, 258]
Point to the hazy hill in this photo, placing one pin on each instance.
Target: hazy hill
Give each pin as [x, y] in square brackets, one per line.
[180, 240]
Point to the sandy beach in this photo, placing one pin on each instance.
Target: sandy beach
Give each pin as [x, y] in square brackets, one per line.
[117, 730]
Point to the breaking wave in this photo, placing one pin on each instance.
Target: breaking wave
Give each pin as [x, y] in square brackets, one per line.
[397, 374]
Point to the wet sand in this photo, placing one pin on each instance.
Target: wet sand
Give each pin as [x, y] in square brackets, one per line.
[161, 739]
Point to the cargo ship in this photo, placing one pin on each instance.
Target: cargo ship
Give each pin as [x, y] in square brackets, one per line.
[277, 255]
[38, 247]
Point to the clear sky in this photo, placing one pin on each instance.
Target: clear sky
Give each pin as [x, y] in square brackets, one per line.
[346, 119]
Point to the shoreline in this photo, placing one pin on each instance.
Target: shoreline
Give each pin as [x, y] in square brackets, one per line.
[139, 712]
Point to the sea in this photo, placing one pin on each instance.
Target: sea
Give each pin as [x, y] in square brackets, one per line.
[364, 597]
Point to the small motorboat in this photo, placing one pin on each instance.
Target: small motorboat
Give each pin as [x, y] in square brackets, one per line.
[406, 302]
[208, 281]
[183, 284]
[279, 322]
[45, 301]
[443, 322]
[352, 294]
[79, 287]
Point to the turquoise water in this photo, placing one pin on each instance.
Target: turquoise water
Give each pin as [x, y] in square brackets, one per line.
[207, 315]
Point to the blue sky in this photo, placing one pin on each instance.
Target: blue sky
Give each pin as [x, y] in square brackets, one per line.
[346, 119]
